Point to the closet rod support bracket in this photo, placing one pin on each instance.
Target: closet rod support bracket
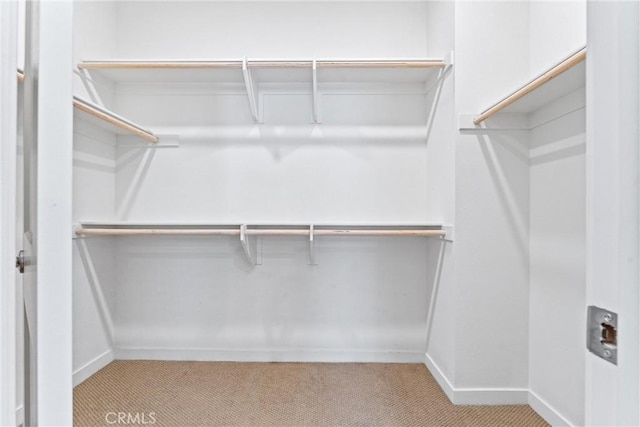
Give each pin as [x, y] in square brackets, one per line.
[315, 99]
[252, 91]
[449, 235]
[312, 247]
[449, 60]
[244, 240]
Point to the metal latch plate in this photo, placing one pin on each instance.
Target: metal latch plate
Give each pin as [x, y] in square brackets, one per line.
[602, 333]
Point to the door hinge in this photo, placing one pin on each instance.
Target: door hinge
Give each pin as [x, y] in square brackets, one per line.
[20, 261]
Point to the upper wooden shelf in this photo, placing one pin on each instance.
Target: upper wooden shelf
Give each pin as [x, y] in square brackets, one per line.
[230, 71]
[558, 81]
[106, 119]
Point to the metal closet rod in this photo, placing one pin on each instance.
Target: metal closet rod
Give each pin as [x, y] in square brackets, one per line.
[254, 232]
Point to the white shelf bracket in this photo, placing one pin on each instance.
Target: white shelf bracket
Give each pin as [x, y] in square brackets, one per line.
[252, 90]
[312, 248]
[316, 95]
[244, 239]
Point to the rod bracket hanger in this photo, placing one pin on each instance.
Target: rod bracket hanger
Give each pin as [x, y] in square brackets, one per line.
[315, 98]
[312, 247]
[252, 90]
[449, 234]
[244, 240]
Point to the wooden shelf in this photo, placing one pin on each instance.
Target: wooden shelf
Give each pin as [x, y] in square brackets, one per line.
[87, 111]
[195, 229]
[196, 224]
[248, 232]
[560, 80]
[230, 71]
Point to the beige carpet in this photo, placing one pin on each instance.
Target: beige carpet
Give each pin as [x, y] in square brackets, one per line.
[277, 394]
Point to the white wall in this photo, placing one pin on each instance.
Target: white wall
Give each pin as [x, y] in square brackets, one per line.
[200, 299]
[93, 199]
[271, 29]
[557, 222]
[308, 177]
[558, 265]
[441, 188]
[93, 259]
[558, 28]
[492, 203]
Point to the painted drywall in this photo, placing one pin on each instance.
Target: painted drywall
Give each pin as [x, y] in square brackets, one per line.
[93, 259]
[335, 172]
[558, 265]
[93, 198]
[271, 29]
[199, 298]
[492, 203]
[441, 188]
[557, 29]
[557, 222]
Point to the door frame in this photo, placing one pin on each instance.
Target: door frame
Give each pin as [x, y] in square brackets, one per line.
[613, 196]
[54, 210]
[54, 204]
[8, 159]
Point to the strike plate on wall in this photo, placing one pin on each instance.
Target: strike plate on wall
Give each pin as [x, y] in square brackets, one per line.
[602, 333]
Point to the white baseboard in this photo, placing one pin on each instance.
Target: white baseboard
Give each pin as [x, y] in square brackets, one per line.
[20, 415]
[546, 411]
[440, 377]
[278, 355]
[476, 396]
[92, 367]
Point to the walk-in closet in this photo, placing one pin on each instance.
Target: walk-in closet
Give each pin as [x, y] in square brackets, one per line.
[323, 213]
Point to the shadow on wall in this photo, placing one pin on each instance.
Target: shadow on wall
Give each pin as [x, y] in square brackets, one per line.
[93, 276]
[186, 293]
[130, 175]
[559, 139]
[434, 268]
[507, 158]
